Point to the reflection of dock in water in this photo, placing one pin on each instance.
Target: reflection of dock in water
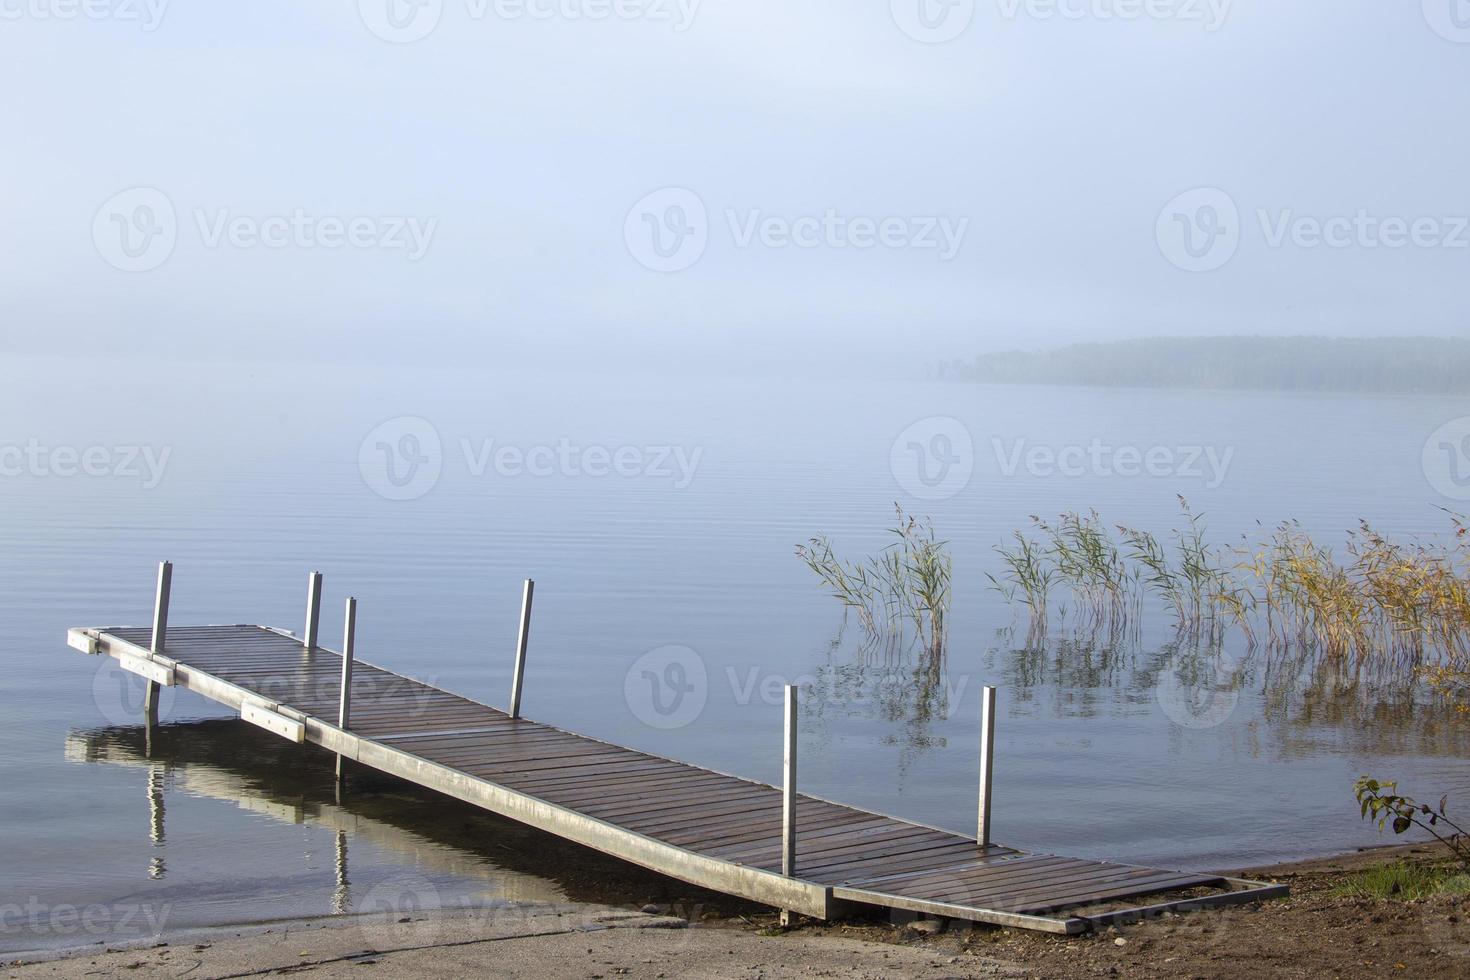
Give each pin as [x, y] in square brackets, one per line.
[205, 759]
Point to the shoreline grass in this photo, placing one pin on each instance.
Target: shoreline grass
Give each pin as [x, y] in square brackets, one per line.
[1404, 881]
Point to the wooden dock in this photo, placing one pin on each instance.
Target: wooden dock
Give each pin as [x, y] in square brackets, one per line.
[708, 828]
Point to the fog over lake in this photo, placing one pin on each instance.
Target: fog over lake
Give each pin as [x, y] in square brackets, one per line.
[636, 298]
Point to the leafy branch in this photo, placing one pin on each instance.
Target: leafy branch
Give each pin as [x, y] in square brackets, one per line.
[1382, 803]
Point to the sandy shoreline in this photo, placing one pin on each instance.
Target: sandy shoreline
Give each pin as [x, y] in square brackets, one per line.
[1313, 933]
[532, 941]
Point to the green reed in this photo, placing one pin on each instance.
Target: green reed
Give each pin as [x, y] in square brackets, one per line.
[907, 584]
[1028, 574]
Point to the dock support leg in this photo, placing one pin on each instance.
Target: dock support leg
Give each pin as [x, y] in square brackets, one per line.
[150, 704]
[788, 796]
[160, 636]
[521, 640]
[313, 609]
[987, 763]
[349, 637]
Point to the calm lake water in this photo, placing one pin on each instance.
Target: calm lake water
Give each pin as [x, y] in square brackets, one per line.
[658, 515]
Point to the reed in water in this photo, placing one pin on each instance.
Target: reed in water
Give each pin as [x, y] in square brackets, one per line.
[1382, 602]
[904, 586]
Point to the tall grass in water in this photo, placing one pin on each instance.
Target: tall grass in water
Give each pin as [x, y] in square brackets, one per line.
[1106, 574]
[1384, 603]
[1077, 553]
[1404, 602]
[1196, 579]
[1426, 597]
[1085, 557]
[906, 585]
[1028, 575]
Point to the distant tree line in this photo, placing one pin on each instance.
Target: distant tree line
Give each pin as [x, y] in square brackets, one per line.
[1422, 365]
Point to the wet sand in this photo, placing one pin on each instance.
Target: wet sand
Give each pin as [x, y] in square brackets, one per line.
[1314, 933]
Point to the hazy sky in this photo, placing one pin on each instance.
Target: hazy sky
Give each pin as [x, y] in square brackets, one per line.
[803, 182]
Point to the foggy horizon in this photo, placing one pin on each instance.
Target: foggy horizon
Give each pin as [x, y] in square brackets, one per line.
[500, 161]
